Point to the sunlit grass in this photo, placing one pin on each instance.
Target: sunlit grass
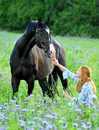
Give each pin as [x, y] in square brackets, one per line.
[30, 113]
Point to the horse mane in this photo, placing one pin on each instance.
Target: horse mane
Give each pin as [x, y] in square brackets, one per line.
[31, 27]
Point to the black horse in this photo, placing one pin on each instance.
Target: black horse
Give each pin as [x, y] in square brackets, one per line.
[30, 59]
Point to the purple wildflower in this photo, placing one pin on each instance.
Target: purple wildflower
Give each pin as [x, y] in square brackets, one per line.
[83, 127]
[93, 115]
[31, 122]
[44, 123]
[22, 125]
[65, 127]
[75, 124]
[32, 111]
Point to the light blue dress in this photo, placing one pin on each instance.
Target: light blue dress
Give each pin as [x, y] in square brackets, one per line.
[86, 95]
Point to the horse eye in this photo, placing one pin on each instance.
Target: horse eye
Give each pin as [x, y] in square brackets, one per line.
[41, 35]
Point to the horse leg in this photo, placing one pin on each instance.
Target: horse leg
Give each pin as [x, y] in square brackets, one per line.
[52, 81]
[57, 72]
[30, 83]
[52, 76]
[64, 82]
[15, 84]
[45, 88]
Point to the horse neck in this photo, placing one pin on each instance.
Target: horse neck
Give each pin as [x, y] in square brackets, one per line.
[23, 42]
[29, 47]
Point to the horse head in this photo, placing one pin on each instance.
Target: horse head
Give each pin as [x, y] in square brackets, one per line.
[43, 36]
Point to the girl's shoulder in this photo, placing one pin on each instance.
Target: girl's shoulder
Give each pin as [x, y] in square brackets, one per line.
[88, 85]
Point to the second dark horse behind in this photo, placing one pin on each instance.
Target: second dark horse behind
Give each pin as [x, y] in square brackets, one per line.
[30, 59]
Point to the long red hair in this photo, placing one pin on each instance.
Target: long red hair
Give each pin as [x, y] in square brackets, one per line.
[85, 77]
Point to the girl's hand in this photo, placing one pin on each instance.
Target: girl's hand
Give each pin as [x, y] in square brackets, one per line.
[65, 94]
[55, 61]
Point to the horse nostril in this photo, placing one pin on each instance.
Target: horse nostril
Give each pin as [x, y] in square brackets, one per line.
[49, 56]
[50, 52]
[41, 35]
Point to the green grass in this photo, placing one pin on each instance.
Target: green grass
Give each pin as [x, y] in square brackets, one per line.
[30, 112]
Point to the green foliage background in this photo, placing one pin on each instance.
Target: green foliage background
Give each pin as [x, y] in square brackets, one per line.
[68, 17]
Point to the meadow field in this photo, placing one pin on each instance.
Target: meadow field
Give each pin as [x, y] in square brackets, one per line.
[31, 113]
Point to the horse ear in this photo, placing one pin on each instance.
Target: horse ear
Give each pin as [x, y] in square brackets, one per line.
[39, 21]
[48, 21]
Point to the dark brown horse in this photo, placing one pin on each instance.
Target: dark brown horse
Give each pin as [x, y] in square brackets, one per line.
[30, 59]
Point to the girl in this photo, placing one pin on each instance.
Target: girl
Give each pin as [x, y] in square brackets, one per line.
[85, 86]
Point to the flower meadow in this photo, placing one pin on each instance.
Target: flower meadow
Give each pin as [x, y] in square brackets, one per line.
[36, 112]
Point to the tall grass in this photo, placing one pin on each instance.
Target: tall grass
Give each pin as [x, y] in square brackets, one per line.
[30, 113]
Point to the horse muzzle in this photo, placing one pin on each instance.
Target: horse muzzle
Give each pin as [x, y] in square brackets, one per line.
[52, 52]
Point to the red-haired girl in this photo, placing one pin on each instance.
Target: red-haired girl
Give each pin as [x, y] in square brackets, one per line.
[85, 86]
